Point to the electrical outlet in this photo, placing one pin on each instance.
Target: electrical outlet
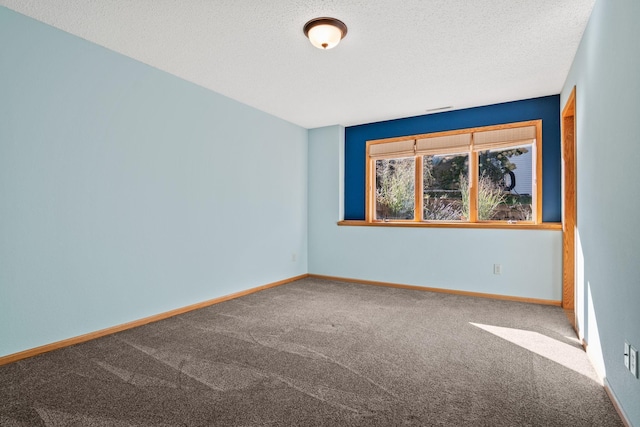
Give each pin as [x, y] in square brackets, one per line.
[633, 361]
[626, 355]
[497, 269]
[294, 257]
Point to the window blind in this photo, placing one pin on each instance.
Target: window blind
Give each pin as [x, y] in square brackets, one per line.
[403, 148]
[458, 143]
[504, 137]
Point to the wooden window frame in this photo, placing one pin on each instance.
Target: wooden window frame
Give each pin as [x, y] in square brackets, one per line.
[473, 221]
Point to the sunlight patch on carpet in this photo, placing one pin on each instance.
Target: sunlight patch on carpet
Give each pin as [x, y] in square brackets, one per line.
[566, 355]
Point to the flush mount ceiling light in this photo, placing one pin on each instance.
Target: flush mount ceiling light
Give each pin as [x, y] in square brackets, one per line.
[325, 33]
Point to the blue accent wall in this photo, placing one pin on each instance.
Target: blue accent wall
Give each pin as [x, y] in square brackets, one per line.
[546, 108]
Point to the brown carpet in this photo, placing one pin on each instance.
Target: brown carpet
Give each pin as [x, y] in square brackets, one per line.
[320, 353]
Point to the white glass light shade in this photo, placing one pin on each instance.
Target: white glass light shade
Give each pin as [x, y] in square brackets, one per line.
[325, 36]
[325, 33]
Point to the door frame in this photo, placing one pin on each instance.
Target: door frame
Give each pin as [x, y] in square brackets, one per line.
[569, 206]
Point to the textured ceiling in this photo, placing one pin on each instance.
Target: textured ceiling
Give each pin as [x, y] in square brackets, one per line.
[400, 58]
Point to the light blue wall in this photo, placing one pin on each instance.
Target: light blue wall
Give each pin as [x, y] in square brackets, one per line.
[606, 73]
[451, 258]
[126, 192]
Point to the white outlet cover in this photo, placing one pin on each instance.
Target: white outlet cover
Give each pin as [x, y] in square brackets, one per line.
[633, 361]
[626, 355]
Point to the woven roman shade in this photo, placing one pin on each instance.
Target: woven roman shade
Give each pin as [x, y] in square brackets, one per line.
[458, 143]
[403, 148]
[504, 137]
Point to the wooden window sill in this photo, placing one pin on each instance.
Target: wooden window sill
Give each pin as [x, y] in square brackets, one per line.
[487, 225]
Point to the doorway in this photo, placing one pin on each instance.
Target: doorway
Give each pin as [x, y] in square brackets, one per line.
[569, 213]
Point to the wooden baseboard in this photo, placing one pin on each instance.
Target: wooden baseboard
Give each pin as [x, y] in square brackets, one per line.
[571, 316]
[118, 328]
[616, 404]
[440, 290]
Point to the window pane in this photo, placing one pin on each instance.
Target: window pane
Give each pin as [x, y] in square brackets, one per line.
[395, 188]
[446, 183]
[505, 184]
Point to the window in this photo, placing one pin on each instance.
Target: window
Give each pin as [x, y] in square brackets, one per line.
[480, 175]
